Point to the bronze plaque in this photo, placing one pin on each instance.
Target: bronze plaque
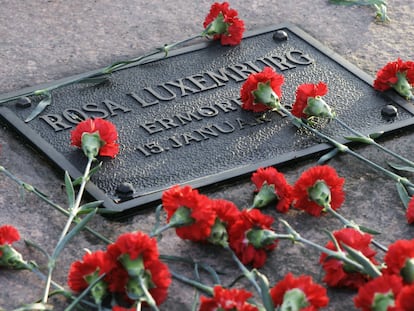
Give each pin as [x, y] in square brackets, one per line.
[180, 122]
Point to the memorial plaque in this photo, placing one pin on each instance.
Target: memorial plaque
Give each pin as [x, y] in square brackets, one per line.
[180, 122]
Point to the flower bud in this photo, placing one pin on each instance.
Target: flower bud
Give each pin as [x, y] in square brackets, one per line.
[265, 196]
[294, 299]
[10, 258]
[99, 290]
[261, 237]
[219, 235]
[407, 272]
[91, 143]
[403, 87]
[320, 193]
[265, 95]
[181, 217]
[317, 107]
[134, 267]
[217, 27]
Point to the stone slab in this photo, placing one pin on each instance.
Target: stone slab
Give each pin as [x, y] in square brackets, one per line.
[180, 122]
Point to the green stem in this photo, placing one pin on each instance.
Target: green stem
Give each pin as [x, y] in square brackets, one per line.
[148, 297]
[296, 237]
[162, 229]
[343, 148]
[246, 272]
[373, 142]
[73, 212]
[43, 197]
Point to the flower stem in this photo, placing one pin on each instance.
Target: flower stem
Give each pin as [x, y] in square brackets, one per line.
[42, 196]
[374, 143]
[248, 274]
[343, 148]
[340, 255]
[73, 212]
[350, 224]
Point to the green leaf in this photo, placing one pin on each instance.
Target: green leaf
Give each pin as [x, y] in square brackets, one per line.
[40, 107]
[369, 230]
[79, 226]
[376, 135]
[369, 267]
[89, 207]
[83, 294]
[359, 139]
[400, 167]
[327, 156]
[402, 192]
[70, 192]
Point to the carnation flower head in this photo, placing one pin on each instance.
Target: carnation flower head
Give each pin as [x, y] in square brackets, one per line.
[190, 212]
[301, 292]
[398, 75]
[251, 237]
[86, 271]
[309, 102]
[137, 254]
[96, 137]
[272, 185]
[339, 274]
[226, 214]
[316, 187]
[380, 291]
[262, 91]
[399, 260]
[227, 300]
[223, 24]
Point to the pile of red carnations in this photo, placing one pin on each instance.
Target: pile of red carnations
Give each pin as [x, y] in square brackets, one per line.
[130, 273]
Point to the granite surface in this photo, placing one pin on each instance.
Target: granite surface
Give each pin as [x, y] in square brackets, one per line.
[42, 41]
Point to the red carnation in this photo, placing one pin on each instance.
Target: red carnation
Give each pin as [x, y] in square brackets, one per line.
[398, 75]
[224, 24]
[82, 272]
[339, 274]
[311, 178]
[225, 210]
[250, 92]
[282, 190]
[399, 260]
[8, 235]
[134, 252]
[409, 214]
[196, 207]
[386, 287]
[405, 298]
[314, 295]
[9, 257]
[227, 300]
[226, 214]
[308, 101]
[254, 250]
[106, 132]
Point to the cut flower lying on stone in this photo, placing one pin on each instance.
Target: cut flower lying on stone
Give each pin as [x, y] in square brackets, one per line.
[398, 75]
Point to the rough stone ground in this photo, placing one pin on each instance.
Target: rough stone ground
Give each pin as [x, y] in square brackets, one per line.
[42, 41]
